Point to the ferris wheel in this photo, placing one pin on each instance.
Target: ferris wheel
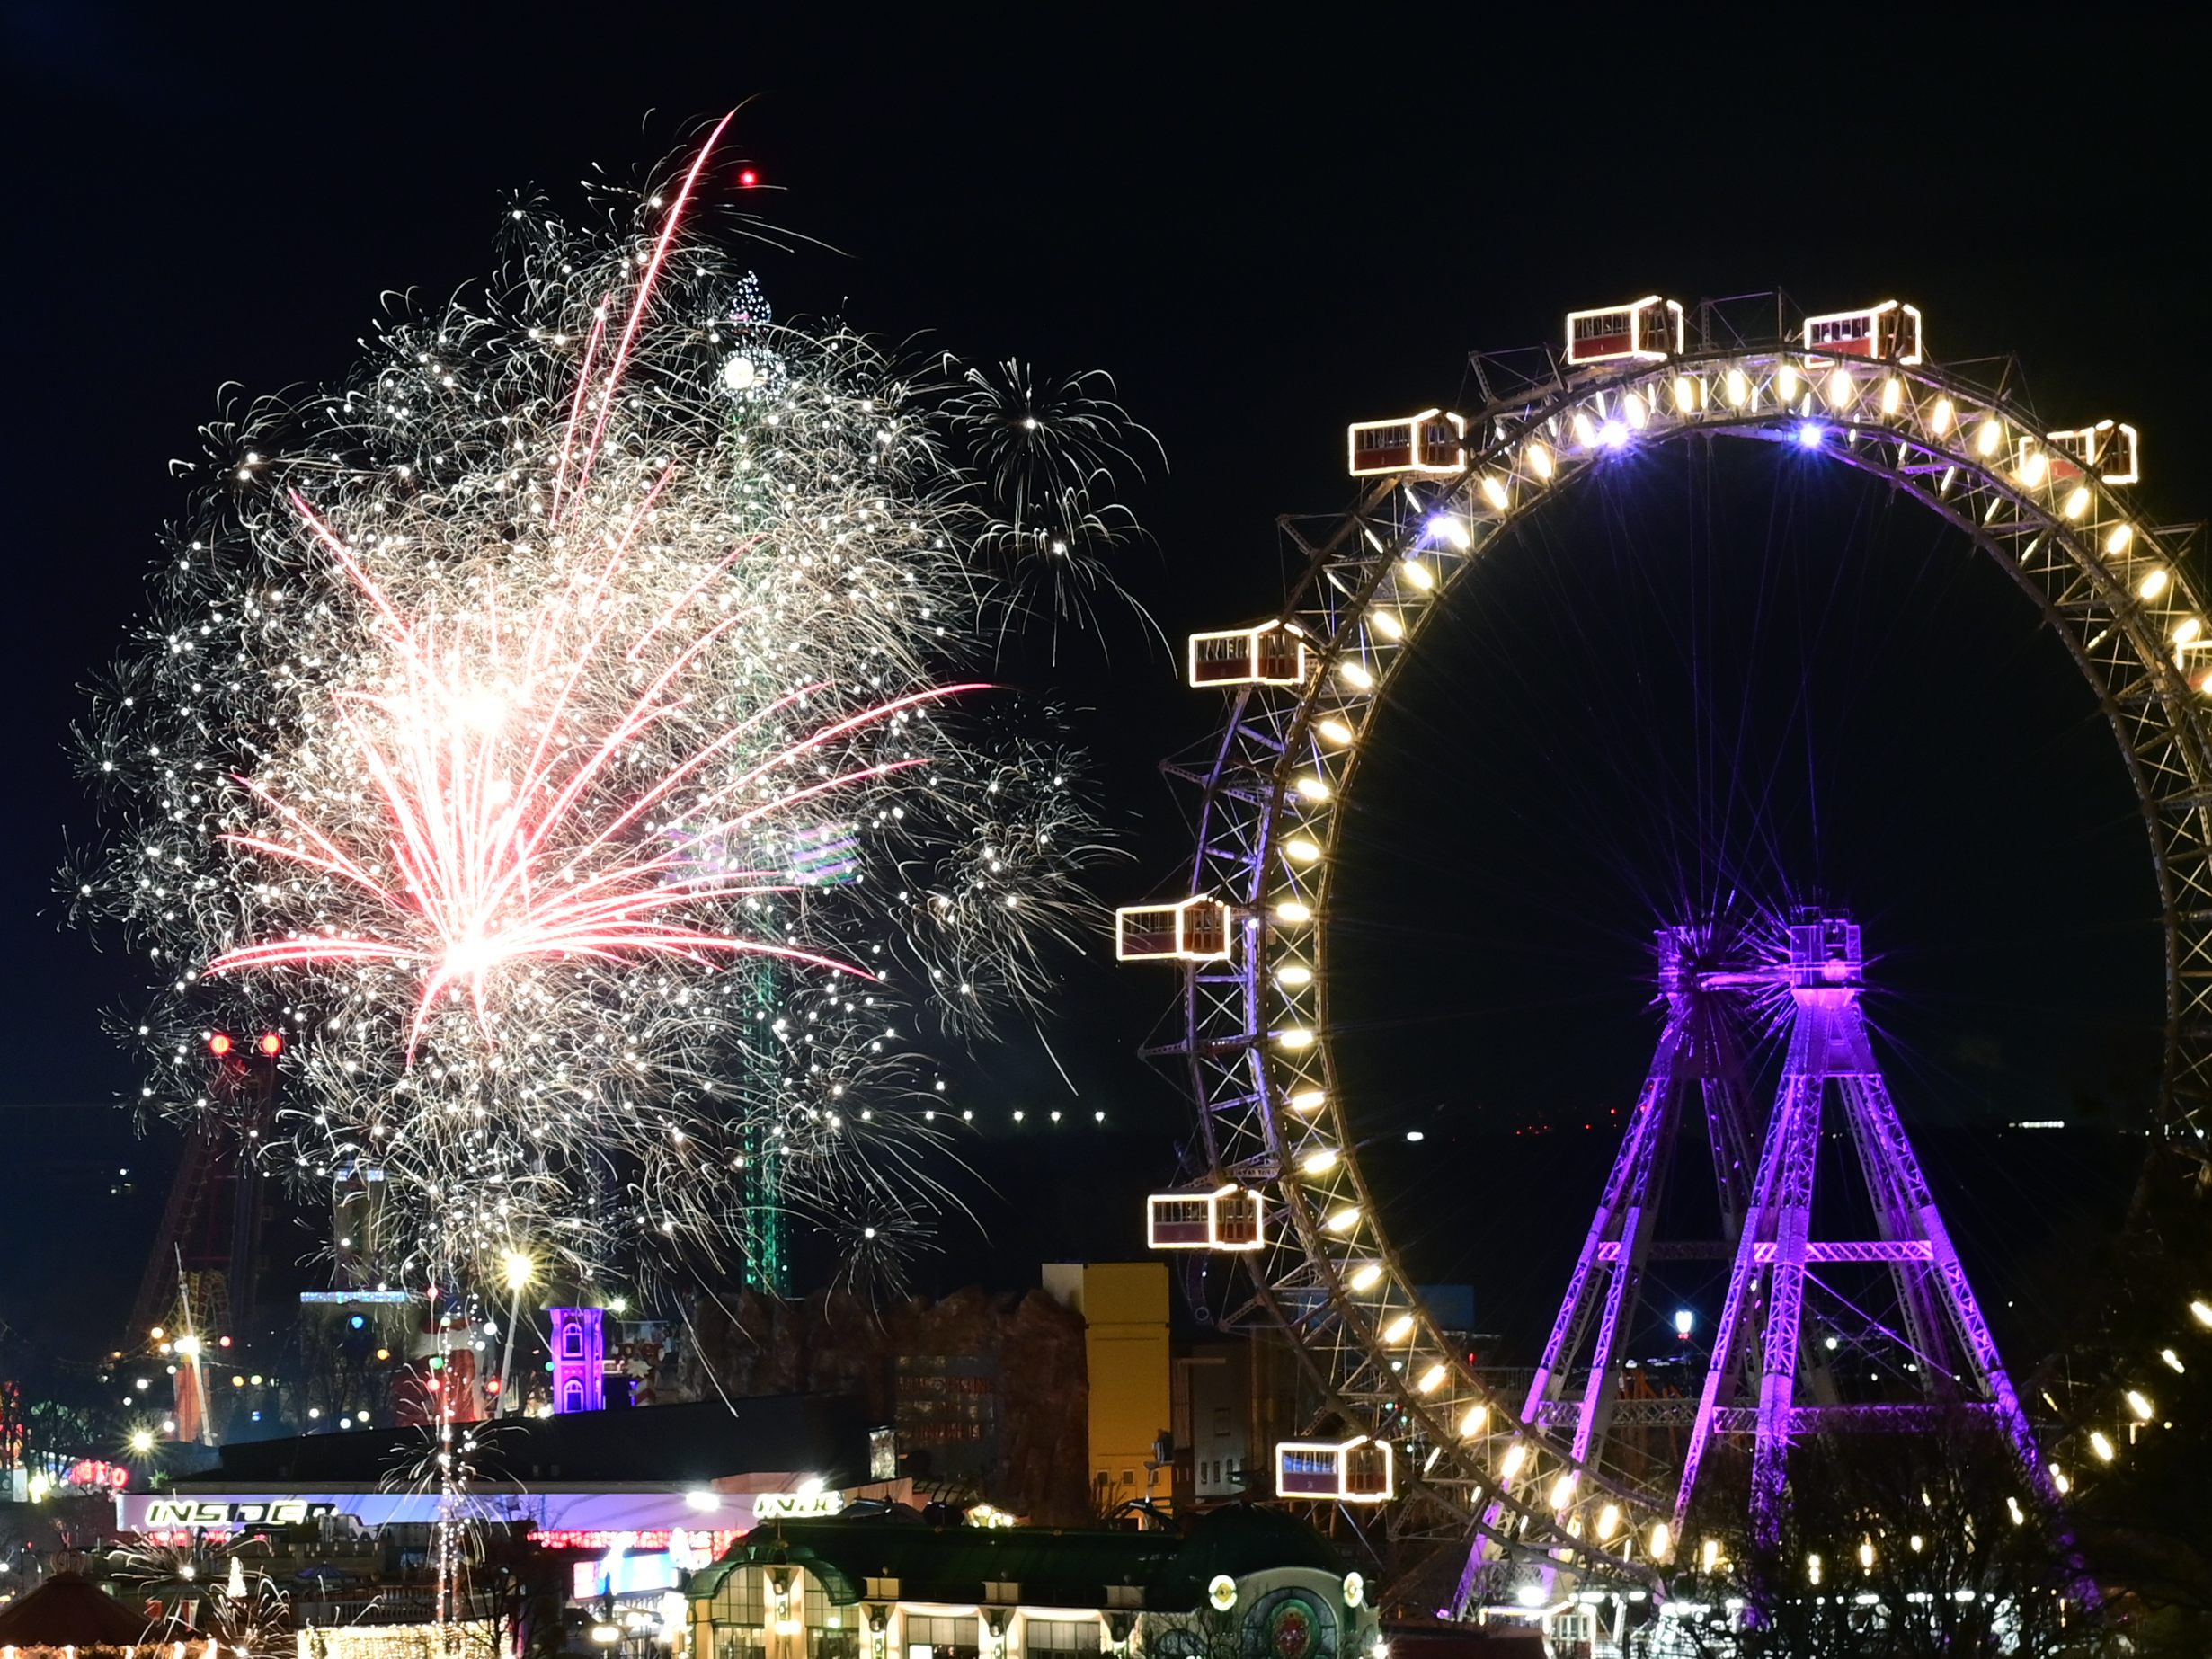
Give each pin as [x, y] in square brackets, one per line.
[1280, 1187]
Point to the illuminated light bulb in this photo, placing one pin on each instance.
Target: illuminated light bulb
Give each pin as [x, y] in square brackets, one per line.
[2059, 1483]
[1515, 1456]
[1454, 529]
[1812, 1569]
[1615, 434]
[1311, 788]
[2034, 468]
[1334, 731]
[1709, 1554]
[1988, 437]
[1386, 624]
[1471, 1423]
[1635, 412]
[1417, 573]
[2173, 1362]
[1841, 390]
[1608, 1522]
[1586, 430]
[2019, 1517]
[2099, 1444]
[1685, 395]
[1301, 850]
[1809, 435]
[1660, 1542]
[1916, 1543]
[1786, 383]
[2077, 503]
[1538, 460]
[2154, 583]
[1398, 1330]
[1563, 1490]
[1494, 492]
[1294, 974]
[1295, 1037]
[2201, 1311]
[1366, 1276]
[2121, 538]
[1306, 1099]
[1893, 395]
[1735, 388]
[1320, 1161]
[1356, 674]
[1865, 1553]
[2185, 632]
[1344, 1220]
[1291, 911]
[2139, 1403]
[1432, 1378]
[1941, 417]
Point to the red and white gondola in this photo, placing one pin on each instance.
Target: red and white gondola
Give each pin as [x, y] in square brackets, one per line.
[1359, 1470]
[1229, 1217]
[1193, 930]
[2108, 449]
[1273, 654]
[1433, 441]
[1643, 330]
[1888, 333]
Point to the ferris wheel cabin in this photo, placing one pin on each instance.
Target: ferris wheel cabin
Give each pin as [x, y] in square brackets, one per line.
[2108, 449]
[1889, 331]
[1229, 1217]
[1352, 1471]
[1271, 654]
[1644, 330]
[1433, 441]
[1196, 930]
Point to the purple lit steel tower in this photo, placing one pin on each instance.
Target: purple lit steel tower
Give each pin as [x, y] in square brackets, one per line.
[1758, 1350]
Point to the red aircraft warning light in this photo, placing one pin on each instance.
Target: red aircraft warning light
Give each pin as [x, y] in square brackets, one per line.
[218, 1044]
[747, 178]
[272, 1043]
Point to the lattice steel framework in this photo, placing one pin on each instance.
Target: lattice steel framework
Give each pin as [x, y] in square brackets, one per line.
[1253, 1041]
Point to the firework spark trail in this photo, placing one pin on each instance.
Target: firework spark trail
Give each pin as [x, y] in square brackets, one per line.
[491, 717]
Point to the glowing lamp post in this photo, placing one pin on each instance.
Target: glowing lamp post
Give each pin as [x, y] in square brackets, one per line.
[518, 1270]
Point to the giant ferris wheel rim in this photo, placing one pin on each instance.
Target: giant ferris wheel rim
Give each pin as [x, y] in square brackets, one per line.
[1282, 766]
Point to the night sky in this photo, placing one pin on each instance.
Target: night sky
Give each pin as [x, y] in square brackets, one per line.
[1263, 233]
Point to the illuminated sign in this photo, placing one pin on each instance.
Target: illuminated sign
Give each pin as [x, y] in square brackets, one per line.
[797, 1505]
[275, 1513]
[601, 1539]
[93, 1472]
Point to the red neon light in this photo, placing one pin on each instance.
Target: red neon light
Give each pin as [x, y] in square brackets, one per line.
[747, 178]
[602, 1539]
[218, 1044]
[272, 1043]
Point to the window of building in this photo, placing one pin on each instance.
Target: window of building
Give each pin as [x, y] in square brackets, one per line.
[832, 1632]
[740, 1617]
[929, 1637]
[1051, 1638]
[1221, 1421]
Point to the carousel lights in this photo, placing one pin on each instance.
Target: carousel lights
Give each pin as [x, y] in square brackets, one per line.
[1416, 574]
[1398, 1330]
[1432, 1378]
[1893, 395]
[1563, 1490]
[1537, 459]
[1735, 388]
[2122, 537]
[2035, 467]
[1293, 911]
[1786, 383]
[1366, 1276]
[1608, 1522]
[1294, 974]
[1387, 624]
[2154, 583]
[1344, 1220]
[2185, 632]
[1320, 1161]
[1940, 416]
[1450, 527]
[1494, 492]
[1840, 389]
[1311, 788]
[1306, 1100]
[1295, 1037]
[1355, 675]
[1298, 850]
[2077, 501]
[1473, 1420]
[1988, 437]
[1334, 731]
[1635, 412]
[1686, 399]
[1509, 1467]
[1584, 430]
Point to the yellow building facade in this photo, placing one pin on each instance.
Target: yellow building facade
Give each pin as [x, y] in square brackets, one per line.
[1125, 1310]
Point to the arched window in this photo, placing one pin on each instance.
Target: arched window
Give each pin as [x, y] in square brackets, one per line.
[572, 1341]
[572, 1393]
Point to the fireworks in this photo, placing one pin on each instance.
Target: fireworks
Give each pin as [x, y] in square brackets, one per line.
[562, 730]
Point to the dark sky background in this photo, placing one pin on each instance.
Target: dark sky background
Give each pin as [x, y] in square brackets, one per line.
[1264, 231]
